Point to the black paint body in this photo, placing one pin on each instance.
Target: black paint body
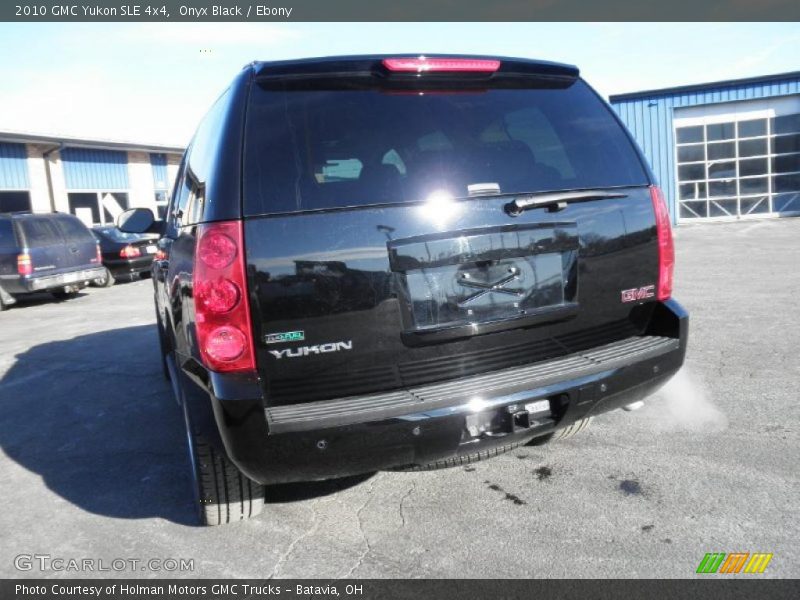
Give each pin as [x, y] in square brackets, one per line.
[349, 275]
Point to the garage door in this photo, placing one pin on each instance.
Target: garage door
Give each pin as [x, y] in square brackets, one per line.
[738, 160]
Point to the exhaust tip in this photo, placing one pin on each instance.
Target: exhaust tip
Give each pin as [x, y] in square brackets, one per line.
[633, 406]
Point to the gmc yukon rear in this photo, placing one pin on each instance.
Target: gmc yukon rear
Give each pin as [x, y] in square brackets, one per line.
[405, 263]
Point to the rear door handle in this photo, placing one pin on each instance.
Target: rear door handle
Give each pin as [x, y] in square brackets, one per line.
[74, 250]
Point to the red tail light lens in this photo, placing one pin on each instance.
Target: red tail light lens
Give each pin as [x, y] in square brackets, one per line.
[442, 65]
[98, 256]
[666, 248]
[24, 264]
[130, 252]
[225, 344]
[218, 296]
[222, 315]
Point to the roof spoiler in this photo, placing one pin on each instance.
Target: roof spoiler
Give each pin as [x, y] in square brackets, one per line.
[417, 71]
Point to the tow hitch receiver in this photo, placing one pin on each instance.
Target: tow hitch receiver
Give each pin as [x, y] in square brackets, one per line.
[533, 416]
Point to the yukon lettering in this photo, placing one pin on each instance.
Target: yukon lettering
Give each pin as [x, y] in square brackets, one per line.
[308, 350]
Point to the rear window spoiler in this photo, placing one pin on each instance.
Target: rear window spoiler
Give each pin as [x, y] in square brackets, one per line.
[354, 72]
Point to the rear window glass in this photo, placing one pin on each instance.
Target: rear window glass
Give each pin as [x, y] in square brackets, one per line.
[74, 230]
[40, 231]
[115, 235]
[323, 149]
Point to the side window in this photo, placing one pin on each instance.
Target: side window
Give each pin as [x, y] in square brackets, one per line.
[8, 241]
[40, 232]
[344, 169]
[73, 229]
[179, 200]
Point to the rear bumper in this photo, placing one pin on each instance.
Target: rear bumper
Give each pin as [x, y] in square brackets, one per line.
[433, 423]
[39, 283]
[133, 266]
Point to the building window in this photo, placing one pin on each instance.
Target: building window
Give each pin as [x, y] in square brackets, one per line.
[97, 208]
[739, 168]
[15, 201]
[162, 202]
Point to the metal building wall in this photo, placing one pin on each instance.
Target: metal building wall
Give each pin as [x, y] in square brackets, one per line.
[87, 169]
[649, 119]
[13, 167]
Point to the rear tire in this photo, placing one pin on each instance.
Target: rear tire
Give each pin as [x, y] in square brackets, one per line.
[106, 281]
[222, 493]
[561, 434]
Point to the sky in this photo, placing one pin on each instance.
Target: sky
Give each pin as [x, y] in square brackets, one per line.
[152, 82]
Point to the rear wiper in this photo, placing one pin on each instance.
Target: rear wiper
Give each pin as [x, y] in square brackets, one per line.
[556, 201]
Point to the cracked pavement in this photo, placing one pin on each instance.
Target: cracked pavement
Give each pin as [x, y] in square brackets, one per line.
[93, 462]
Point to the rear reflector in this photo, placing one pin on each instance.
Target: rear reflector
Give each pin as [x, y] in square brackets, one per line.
[222, 315]
[442, 65]
[666, 248]
[24, 264]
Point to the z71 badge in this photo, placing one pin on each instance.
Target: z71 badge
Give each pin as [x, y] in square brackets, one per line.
[632, 295]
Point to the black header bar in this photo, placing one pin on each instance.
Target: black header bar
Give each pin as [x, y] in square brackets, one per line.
[400, 10]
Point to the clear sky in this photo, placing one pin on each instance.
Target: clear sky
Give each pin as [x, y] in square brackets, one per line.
[152, 82]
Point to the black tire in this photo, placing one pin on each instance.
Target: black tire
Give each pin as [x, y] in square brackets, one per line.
[62, 295]
[222, 493]
[464, 459]
[106, 281]
[561, 434]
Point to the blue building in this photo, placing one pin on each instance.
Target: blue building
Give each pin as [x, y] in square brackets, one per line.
[724, 150]
[92, 179]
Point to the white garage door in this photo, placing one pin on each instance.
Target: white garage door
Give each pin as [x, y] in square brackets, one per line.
[739, 159]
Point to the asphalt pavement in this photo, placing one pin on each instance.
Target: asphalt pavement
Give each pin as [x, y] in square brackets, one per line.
[93, 464]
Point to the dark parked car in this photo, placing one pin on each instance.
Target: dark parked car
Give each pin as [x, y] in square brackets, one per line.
[405, 263]
[126, 256]
[45, 252]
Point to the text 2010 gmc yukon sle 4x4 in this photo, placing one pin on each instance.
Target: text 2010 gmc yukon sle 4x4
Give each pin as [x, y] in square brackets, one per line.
[405, 262]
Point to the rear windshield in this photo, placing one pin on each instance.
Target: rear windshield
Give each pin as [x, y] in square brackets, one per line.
[323, 149]
[40, 231]
[115, 235]
[73, 229]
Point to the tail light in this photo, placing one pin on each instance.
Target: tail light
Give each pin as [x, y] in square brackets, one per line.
[130, 252]
[222, 316]
[666, 248]
[24, 264]
[441, 65]
[98, 257]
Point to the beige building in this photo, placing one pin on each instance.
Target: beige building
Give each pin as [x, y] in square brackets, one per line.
[93, 179]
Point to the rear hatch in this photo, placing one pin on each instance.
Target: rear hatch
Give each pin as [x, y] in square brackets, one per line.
[388, 242]
[80, 245]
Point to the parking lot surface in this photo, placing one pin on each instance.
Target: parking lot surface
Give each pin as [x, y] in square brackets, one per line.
[93, 463]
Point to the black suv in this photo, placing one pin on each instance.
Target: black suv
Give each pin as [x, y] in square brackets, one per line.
[405, 262]
[45, 252]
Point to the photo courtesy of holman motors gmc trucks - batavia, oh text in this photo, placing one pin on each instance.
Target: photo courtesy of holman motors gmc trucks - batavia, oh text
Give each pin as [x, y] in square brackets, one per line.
[404, 262]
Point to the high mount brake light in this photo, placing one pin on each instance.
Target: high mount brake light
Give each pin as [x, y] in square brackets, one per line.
[441, 65]
[666, 247]
[222, 315]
